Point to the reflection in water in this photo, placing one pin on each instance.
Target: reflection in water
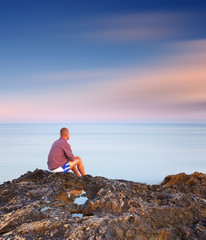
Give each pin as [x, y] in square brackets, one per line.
[63, 196]
[80, 215]
[44, 209]
[80, 200]
[73, 196]
[77, 196]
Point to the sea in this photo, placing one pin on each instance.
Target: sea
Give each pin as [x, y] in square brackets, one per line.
[140, 152]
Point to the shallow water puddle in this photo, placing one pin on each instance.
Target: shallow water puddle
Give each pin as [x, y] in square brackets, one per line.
[44, 209]
[76, 196]
[73, 196]
[80, 215]
[47, 200]
[80, 199]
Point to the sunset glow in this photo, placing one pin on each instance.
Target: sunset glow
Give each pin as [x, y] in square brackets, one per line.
[114, 65]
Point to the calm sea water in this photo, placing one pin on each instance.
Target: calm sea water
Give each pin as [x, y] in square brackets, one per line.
[138, 152]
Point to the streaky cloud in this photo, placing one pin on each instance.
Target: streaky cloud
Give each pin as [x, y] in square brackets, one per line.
[139, 26]
[172, 88]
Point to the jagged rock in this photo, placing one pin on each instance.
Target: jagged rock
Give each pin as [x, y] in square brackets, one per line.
[43, 205]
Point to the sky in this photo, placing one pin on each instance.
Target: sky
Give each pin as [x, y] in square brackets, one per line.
[102, 61]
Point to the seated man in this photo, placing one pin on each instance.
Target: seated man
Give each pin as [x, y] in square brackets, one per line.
[61, 158]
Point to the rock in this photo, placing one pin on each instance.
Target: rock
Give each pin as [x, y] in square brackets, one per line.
[44, 205]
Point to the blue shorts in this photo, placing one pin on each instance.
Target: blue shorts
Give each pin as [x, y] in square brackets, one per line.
[65, 168]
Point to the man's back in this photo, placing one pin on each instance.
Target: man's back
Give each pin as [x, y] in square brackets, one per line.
[59, 154]
[61, 158]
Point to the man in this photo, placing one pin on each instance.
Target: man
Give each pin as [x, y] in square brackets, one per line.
[61, 158]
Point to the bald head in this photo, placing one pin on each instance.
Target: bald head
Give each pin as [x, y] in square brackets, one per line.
[64, 133]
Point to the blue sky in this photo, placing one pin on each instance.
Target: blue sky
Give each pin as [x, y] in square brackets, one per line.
[102, 61]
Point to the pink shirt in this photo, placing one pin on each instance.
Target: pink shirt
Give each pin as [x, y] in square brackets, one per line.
[59, 154]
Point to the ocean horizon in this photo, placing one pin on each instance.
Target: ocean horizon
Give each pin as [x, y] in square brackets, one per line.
[141, 152]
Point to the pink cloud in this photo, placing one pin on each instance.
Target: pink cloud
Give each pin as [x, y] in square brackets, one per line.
[170, 89]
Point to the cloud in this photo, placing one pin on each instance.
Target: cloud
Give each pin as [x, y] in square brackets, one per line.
[172, 88]
[49, 80]
[139, 26]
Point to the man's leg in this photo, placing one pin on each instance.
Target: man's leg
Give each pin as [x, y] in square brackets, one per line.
[74, 169]
[77, 162]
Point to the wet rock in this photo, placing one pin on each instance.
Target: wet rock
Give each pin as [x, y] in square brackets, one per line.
[43, 205]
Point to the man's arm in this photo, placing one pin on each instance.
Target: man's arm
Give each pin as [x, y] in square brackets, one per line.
[68, 152]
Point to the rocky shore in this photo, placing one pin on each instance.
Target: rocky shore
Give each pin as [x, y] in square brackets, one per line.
[43, 205]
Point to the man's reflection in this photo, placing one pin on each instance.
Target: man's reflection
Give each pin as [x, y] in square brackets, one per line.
[68, 196]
